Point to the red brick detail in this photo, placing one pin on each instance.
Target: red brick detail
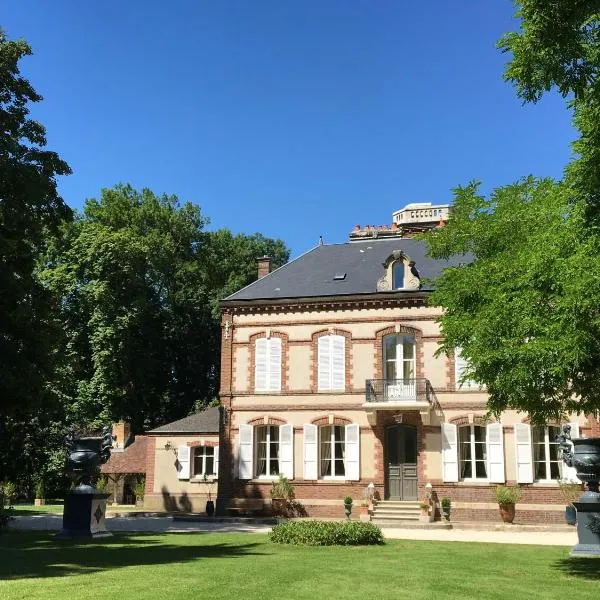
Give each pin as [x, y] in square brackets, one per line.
[593, 425]
[285, 375]
[150, 463]
[477, 420]
[336, 421]
[200, 444]
[270, 421]
[451, 371]
[555, 422]
[227, 333]
[314, 368]
[393, 329]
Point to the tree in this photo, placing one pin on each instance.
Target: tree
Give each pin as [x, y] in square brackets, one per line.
[29, 207]
[523, 304]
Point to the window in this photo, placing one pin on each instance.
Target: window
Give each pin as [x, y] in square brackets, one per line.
[267, 369]
[399, 357]
[332, 363]
[204, 461]
[332, 451]
[398, 275]
[472, 452]
[547, 466]
[267, 451]
[460, 366]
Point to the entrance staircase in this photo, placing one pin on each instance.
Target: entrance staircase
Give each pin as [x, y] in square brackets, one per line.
[390, 512]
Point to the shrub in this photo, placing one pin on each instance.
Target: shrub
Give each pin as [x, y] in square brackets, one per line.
[570, 491]
[9, 493]
[506, 494]
[282, 488]
[40, 488]
[102, 483]
[348, 500]
[139, 489]
[446, 503]
[5, 515]
[326, 533]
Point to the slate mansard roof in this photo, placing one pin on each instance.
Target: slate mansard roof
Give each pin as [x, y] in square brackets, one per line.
[206, 421]
[358, 266]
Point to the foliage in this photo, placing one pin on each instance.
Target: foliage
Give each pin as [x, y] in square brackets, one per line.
[507, 494]
[8, 492]
[446, 502]
[5, 515]
[348, 500]
[102, 483]
[139, 489]
[282, 488]
[40, 488]
[326, 533]
[522, 305]
[570, 491]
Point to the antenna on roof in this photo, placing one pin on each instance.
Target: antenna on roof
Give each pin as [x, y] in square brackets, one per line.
[320, 240]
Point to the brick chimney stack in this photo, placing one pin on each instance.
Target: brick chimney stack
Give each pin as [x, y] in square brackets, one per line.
[264, 266]
[121, 432]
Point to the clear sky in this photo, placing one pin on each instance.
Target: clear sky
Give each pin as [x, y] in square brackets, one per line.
[293, 118]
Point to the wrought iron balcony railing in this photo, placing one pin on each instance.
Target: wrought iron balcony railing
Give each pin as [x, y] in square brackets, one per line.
[399, 390]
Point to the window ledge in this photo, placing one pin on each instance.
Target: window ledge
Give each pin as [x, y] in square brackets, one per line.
[201, 479]
[548, 484]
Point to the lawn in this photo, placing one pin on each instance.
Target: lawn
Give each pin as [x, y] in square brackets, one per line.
[248, 566]
[45, 509]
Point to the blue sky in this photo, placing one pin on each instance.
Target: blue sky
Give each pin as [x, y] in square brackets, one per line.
[293, 118]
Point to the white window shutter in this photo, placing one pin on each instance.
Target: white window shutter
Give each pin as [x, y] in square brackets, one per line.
[495, 453]
[449, 452]
[310, 452]
[246, 452]
[216, 463]
[183, 460]
[352, 453]
[338, 362]
[523, 453]
[274, 364]
[324, 362]
[260, 364]
[570, 473]
[286, 451]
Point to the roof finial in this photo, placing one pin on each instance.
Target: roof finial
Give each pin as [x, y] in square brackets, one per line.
[320, 240]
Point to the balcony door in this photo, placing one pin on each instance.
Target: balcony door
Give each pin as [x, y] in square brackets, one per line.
[401, 463]
[399, 368]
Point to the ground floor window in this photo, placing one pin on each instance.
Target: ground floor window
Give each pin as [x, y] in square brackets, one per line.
[472, 452]
[332, 450]
[204, 461]
[547, 466]
[267, 451]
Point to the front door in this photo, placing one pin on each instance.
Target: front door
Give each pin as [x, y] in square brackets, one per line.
[401, 462]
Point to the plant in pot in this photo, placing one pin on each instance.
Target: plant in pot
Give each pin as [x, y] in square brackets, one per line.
[506, 497]
[570, 492]
[40, 492]
[347, 507]
[446, 505]
[139, 489]
[210, 505]
[282, 495]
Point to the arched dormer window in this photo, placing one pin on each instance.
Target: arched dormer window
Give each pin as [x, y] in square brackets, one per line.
[400, 273]
[398, 269]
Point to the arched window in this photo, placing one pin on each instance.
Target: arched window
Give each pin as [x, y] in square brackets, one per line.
[472, 452]
[398, 270]
[399, 357]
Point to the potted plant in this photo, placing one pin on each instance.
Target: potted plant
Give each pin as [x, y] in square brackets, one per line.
[446, 505]
[570, 492]
[347, 507]
[210, 505]
[139, 489]
[40, 492]
[506, 497]
[364, 511]
[282, 494]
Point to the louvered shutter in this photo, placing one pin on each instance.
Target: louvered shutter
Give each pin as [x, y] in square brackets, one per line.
[324, 362]
[286, 451]
[352, 452]
[260, 364]
[183, 462]
[449, 452]
[460, 366]
[570, 473]
[495, 453]
[338, 362]
[310, 452]
[216, 463]
[523, 453]
[274, 364]
[246, 452]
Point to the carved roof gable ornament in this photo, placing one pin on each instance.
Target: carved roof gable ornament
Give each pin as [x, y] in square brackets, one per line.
[410, 280]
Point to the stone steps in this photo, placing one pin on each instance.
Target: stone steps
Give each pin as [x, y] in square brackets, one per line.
[393, 511]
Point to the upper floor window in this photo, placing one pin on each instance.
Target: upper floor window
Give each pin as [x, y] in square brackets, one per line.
[398, 269]
[399, 356]
[547, 464]
[472, 452]
[460, 366]
[267, 369]
[331, 363]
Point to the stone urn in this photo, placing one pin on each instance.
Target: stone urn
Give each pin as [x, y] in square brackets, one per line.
[507, 512]
[583, 454]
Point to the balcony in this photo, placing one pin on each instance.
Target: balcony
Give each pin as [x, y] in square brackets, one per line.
[399, 394]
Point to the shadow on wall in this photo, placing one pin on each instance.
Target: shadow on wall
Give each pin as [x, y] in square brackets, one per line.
[173, 504]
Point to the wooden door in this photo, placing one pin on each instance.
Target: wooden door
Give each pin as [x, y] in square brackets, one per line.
[401, 462]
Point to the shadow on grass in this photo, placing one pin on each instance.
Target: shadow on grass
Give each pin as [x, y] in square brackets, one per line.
[27, 555]
[586, 568]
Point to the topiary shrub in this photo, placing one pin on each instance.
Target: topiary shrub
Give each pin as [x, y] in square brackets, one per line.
[326, 533]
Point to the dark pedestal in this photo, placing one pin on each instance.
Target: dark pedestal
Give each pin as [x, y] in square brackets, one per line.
[588, 527]
[84, 514]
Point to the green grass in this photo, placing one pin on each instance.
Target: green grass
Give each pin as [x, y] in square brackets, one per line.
[45, 509]
[248, 566]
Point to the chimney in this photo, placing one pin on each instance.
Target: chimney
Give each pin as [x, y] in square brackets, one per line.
[264, 266]
[121, 432]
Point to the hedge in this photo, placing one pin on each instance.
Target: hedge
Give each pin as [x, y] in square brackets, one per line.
[326, 533]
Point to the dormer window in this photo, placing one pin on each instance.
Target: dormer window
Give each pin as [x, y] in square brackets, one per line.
[400, 274]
